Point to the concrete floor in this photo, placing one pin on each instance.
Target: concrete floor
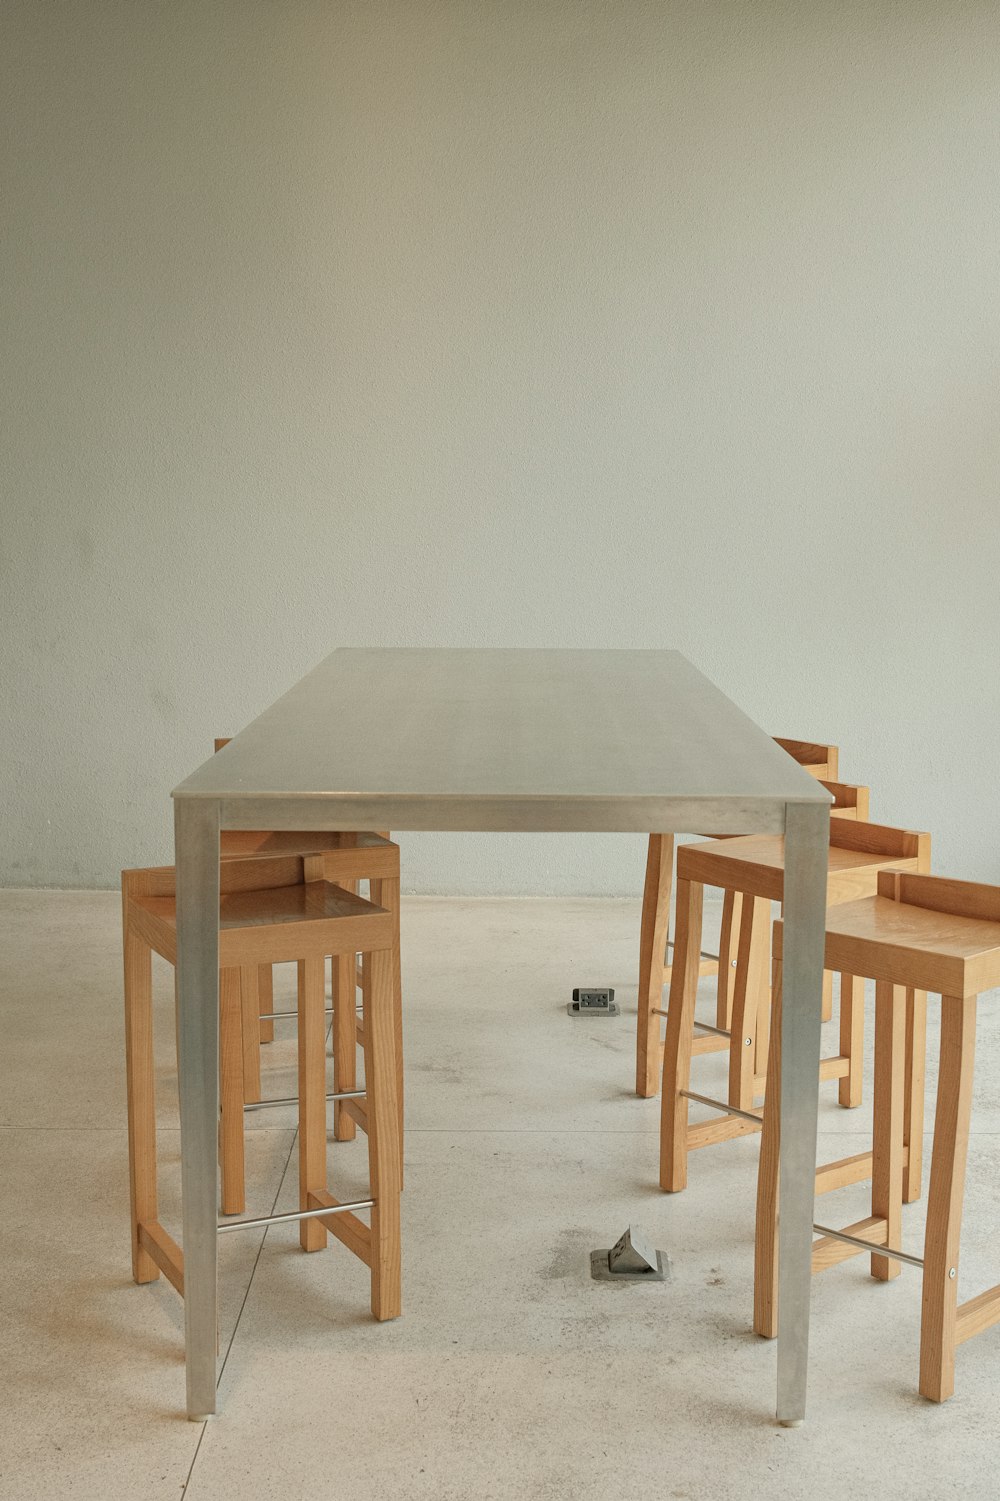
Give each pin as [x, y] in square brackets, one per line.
[511, 1374]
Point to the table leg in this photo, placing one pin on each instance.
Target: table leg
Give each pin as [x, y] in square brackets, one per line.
[807, 837]
[196, 854]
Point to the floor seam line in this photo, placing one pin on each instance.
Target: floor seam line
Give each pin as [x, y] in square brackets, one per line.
[256, 1264]
[253, 1271]
[194, 1460]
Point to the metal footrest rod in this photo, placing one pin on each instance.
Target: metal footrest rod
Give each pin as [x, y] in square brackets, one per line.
[727, 1109]
[277, 1016]
[868, 1245]
[705, 1026]
[703, 953]
[299, 1214]
[338, 1094]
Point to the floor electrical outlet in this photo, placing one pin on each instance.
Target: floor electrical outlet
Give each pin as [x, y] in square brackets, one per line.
[596, 1000]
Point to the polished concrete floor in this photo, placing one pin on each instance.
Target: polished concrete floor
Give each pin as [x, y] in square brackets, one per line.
[511, 1373]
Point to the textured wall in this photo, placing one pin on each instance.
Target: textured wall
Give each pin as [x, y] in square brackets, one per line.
[546, 323]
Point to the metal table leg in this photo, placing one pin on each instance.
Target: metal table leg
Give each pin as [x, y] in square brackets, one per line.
[807, 837]
[196, 853]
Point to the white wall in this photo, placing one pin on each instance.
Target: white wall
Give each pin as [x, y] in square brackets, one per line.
[544, 323]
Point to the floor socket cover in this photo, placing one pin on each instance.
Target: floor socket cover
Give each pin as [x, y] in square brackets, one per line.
[630, 1259]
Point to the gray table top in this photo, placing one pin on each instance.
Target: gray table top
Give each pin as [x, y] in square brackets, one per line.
[518, 739]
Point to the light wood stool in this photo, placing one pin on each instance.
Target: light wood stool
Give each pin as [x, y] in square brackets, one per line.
[754, 866]
[344, 860]
[376, 860]
[919, 933]
[849, 801]
[821, 761]
[271, 914]
[747, 969]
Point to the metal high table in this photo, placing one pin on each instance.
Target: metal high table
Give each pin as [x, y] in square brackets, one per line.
[513, 741]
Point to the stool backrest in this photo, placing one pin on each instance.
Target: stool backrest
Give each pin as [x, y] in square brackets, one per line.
[240, 844]
[234, 875]
[881, 839]
[819, 761]
[849, 801]
[941, 894]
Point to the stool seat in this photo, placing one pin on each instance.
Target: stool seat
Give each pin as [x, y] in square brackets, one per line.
[754, 864]
[248, 909]
[312, 901]
[885, 939]
[253, 925]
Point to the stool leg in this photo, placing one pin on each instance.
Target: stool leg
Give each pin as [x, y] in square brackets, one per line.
[141, 1096]
[827, 996]
[250, 1029]
[765, 1278]
[944, 1198]
[312, 1094]
[383, 1135]
[231, 1093]
[916, 1055]
[887, 1123]
[732, 906]
[385, 893]
[680, 1035]
[345, 1045]
[763, 1046]
[652, 960]
[265, 994]
[753, 961]
[852, 1039]
[388, 898]
[344, 989]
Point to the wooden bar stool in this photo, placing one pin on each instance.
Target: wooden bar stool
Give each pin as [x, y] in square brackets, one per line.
[918, 933]
[376, 861]
[748, 971]
[271, 914]
[849, 801]
[753, 865]
[820, 761]
[344, 860]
